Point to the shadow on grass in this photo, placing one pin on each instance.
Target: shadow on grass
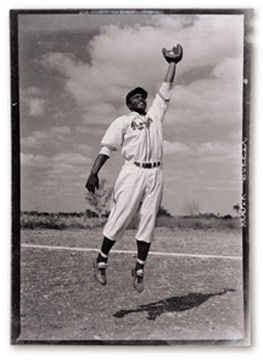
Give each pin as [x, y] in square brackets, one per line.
[172, 304]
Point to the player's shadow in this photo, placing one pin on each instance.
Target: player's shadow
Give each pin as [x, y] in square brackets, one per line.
[172, 304]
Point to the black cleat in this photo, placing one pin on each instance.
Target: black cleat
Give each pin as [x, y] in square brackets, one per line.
[138, 279]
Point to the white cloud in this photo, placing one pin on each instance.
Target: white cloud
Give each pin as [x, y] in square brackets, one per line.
[34, 101]
[174, 22]
[204, 153]
[57, 170]
[70, 159]
[218, 99]
[60, 132]
[34, 161]
[36, 107]
[219, 152]
[37, 138]
[86, 149]
[211, 150]
[218, 148]
[174, 147]
[99, 132]
[131, 56]
[102, 113]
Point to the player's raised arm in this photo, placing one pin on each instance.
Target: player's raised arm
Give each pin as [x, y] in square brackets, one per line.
[172, 57]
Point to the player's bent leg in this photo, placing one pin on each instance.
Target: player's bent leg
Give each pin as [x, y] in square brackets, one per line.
[100, 264]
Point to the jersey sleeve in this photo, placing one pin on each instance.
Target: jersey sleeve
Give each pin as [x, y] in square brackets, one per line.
[113, 137]
[161, 101]
[105, 151]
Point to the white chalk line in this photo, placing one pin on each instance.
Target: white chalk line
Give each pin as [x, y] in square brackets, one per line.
[53, 247]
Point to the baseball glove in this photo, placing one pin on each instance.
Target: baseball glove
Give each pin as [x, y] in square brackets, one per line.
[175, 55]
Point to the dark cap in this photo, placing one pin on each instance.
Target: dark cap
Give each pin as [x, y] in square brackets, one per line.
[137, 90]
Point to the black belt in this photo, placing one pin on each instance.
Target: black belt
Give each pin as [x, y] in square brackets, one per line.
[148, 165]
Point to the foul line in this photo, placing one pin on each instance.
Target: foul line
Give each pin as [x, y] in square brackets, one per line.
[53, 247]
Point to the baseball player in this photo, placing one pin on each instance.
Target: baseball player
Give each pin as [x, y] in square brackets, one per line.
[139, 185]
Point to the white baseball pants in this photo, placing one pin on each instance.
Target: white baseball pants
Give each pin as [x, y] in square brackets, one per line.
[135, 188]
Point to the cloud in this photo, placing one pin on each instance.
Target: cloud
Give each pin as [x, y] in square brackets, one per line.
[88, 130]
[72, 159]
[218, 99]
[215, 151]
[78, 23]
[34, 161]
[38, 138]
[65, 159]
[207, 151]
[60, 132]
[212, 43]
[34, 100]
[212, 148]
[102, 113]
[35, 139]
[36, 107]
[58, 171]
[174, 22]
[174, 147]
[83, 148]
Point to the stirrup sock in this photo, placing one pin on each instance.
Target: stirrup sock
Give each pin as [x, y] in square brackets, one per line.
[103, 255]
[141, 262]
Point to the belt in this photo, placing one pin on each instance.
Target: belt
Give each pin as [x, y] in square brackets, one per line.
[148, 165]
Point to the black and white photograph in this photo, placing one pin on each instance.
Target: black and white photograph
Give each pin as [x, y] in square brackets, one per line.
[130, 173]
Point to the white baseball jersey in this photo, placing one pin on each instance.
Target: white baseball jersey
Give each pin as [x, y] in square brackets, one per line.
[139, 136]
[141, 140]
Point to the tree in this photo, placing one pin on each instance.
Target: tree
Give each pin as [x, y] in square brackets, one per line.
[192, 208]
[236, 208]
[99, 200]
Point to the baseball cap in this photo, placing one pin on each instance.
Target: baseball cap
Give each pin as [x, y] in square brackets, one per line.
[137, 90]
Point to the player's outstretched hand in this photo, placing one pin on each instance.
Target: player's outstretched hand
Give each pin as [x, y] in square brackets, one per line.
[92, 183]
[175, 55]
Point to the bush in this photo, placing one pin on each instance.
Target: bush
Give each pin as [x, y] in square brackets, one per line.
[227, 217]
[58, 221]
[63, 221]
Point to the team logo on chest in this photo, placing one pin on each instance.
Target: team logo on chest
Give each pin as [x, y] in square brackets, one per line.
[140, 125]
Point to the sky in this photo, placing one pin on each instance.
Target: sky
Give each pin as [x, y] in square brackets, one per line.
[74, 74]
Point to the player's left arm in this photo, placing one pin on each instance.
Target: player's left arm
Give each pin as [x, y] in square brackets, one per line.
[161, 101]
[173, 57]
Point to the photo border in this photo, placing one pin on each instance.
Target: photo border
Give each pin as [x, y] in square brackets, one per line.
[16, 172]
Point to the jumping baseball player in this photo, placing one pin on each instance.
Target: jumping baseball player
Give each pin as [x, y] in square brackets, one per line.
[139, 185]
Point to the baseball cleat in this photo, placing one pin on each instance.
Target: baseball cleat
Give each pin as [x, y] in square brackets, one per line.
[138, 279]
[100, 272]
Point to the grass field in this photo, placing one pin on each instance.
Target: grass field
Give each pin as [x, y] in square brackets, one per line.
[193, 287]
[68, 221]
